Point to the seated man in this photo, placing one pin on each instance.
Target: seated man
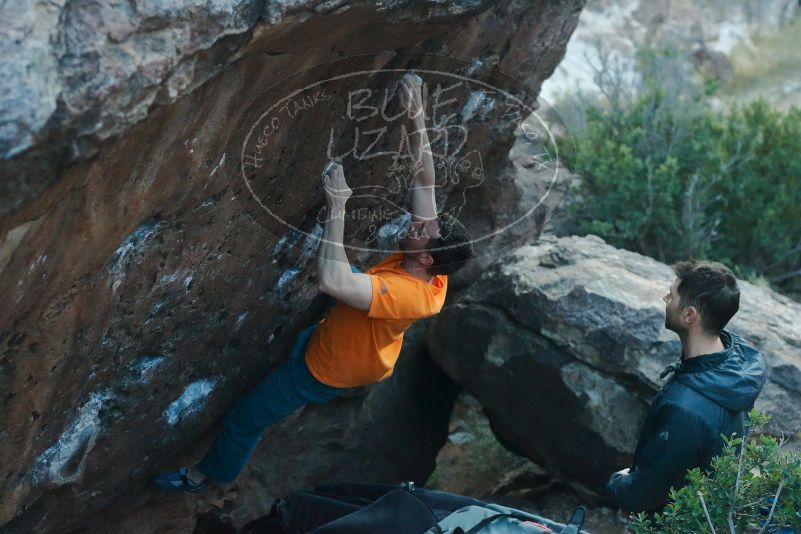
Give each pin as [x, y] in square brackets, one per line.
[359, 340]
[717, 379]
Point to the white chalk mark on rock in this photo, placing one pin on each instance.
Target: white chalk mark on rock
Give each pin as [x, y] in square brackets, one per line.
[190, 402]
[64, 462]
[387, 234]
[170, 278]
[285, 278]
[312, 243]
[220, 164]
[479, 103]
[146, 366]
[474, 65]
[132, 244]
[288, 240]
[240, 320]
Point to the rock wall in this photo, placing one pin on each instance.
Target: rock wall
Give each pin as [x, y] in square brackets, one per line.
[143, 294]
[388, 432]
[562, 343]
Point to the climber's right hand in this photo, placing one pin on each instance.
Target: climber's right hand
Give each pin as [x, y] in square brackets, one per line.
[337, 191]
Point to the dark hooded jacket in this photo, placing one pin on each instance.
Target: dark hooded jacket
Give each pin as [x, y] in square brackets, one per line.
[706, 397]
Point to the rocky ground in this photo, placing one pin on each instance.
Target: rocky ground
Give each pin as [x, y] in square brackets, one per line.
[473, 462]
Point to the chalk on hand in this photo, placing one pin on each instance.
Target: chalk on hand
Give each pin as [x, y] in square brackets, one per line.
[394, 91]
[329, 166]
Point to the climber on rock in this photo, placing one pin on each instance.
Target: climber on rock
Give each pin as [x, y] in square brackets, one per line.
[359, 340]
[716, 381]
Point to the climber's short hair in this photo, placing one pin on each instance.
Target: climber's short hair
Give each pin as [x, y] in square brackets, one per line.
[711, 288]
[452, 248]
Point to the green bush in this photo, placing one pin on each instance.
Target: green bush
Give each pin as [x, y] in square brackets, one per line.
[665, 174]
[736, 495]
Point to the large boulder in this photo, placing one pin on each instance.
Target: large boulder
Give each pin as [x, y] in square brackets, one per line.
[145, 287]
[563, 341]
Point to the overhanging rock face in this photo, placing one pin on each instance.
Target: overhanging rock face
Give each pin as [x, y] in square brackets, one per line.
[563, 343]
[144, 289]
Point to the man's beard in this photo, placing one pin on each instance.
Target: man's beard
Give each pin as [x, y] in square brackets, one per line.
[407, 245]
[672, 324]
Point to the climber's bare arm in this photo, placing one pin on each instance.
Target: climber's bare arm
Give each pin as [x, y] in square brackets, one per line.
[424, 203]
[334, 275]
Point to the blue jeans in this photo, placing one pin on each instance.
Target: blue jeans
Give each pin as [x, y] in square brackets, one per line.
[283, 391]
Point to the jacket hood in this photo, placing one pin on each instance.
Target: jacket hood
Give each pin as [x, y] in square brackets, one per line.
[732, 378]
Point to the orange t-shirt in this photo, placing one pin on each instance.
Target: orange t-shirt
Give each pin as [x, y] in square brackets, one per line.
[352, 347]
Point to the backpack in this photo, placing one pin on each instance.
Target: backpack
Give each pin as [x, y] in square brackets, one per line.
[399, 509]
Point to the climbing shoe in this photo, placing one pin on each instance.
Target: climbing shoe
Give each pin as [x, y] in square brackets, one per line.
[177, 480]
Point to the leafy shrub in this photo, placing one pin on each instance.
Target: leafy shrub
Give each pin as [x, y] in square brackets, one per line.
[665, 174]
[738, 493]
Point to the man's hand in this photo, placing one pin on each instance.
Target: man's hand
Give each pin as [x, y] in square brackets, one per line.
[336, 188]
[623, 472]
[411, 94]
